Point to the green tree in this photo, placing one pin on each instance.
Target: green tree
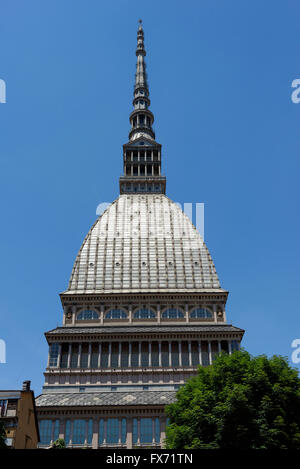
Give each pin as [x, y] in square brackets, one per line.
[239, 402]
[59, 444]
[2, 436]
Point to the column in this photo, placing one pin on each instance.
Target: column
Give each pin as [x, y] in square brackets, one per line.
[95, 433]
[158, 313]
[159, 353]
[138, 430]
[209, 352]
[73, 315]
[119, 356]
[129, 433]
[89, 355]
[187, 313]
[129, 353]
[105, 432]
[48, 362]
[120, 431]
[130, 313]
[190, 353]
[61, 433]
[224, 313]
[149, 354]
[215, 313]
[170, 353]
[65, 314]
[229, 347]
[109, 355]
[71, 431]
[162, 430]
[69, 356]
[140, 354]
[199, 352]
[179, 353]
[153, 430]
[101, 314]
[86, 431]
[79, 357]
[99, 356]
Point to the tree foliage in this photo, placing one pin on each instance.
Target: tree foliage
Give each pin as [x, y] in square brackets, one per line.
[239, 402]
[59, 444]
[2, 436]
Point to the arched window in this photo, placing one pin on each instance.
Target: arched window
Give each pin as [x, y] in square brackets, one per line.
[172, 313]
[201, 313]
[144, 313]
[87, 314]
[116, 314]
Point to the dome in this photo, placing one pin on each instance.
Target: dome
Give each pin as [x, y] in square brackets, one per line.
[143, 244]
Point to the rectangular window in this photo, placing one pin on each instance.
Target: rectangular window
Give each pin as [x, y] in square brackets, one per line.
[84, 356]
[45, 427]
[145, 354]
[124, 431]
[74, 356]
[112, 430]
[101, 432]
[124, 355]
[195, 354]
[54, 348]
[64, 356]
[90, 432]
[157, 430]
[79, 432]
[95, 356]
[204, 353]
[175, 354]
[154, 354]
[104, 355]
[56, 430]
[146, 430]
[185, 354]
[67, 431]
[165, 354]
[134, 431]
[114, 354]
[135, 354]
[214, 349]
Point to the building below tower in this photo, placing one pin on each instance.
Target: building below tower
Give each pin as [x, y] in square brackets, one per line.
[143, 309]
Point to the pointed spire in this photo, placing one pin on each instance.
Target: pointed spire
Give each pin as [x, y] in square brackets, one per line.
[142, 154]
[141, 118]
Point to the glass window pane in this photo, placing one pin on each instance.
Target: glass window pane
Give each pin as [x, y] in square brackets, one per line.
[175, 354]
[101, 432]
[195, 354]
[157, 430]
[184, 354]
[154, 354]
[124, 431]
[135, 354]
[165, 354]
[134, 431]
[104, 355]
[124, 355]
[56, 430]
[45, 427]
[114, 354]
[79, 431]
[53, 354]
[67, 431]
[146, 430]
[74, 356]
[145, 354]
[90, 431]
[112, 430]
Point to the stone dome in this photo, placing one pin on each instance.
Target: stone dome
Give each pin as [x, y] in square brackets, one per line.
[143, 244]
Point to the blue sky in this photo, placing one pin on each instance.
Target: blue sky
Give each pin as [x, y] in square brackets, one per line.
[220, 75]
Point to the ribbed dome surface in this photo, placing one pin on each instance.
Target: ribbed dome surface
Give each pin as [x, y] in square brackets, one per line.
[143, 243]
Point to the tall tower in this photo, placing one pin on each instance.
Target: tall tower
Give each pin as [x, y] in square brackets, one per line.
[143, 309]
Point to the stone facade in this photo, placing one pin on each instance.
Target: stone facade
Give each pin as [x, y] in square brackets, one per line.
[143, 309]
